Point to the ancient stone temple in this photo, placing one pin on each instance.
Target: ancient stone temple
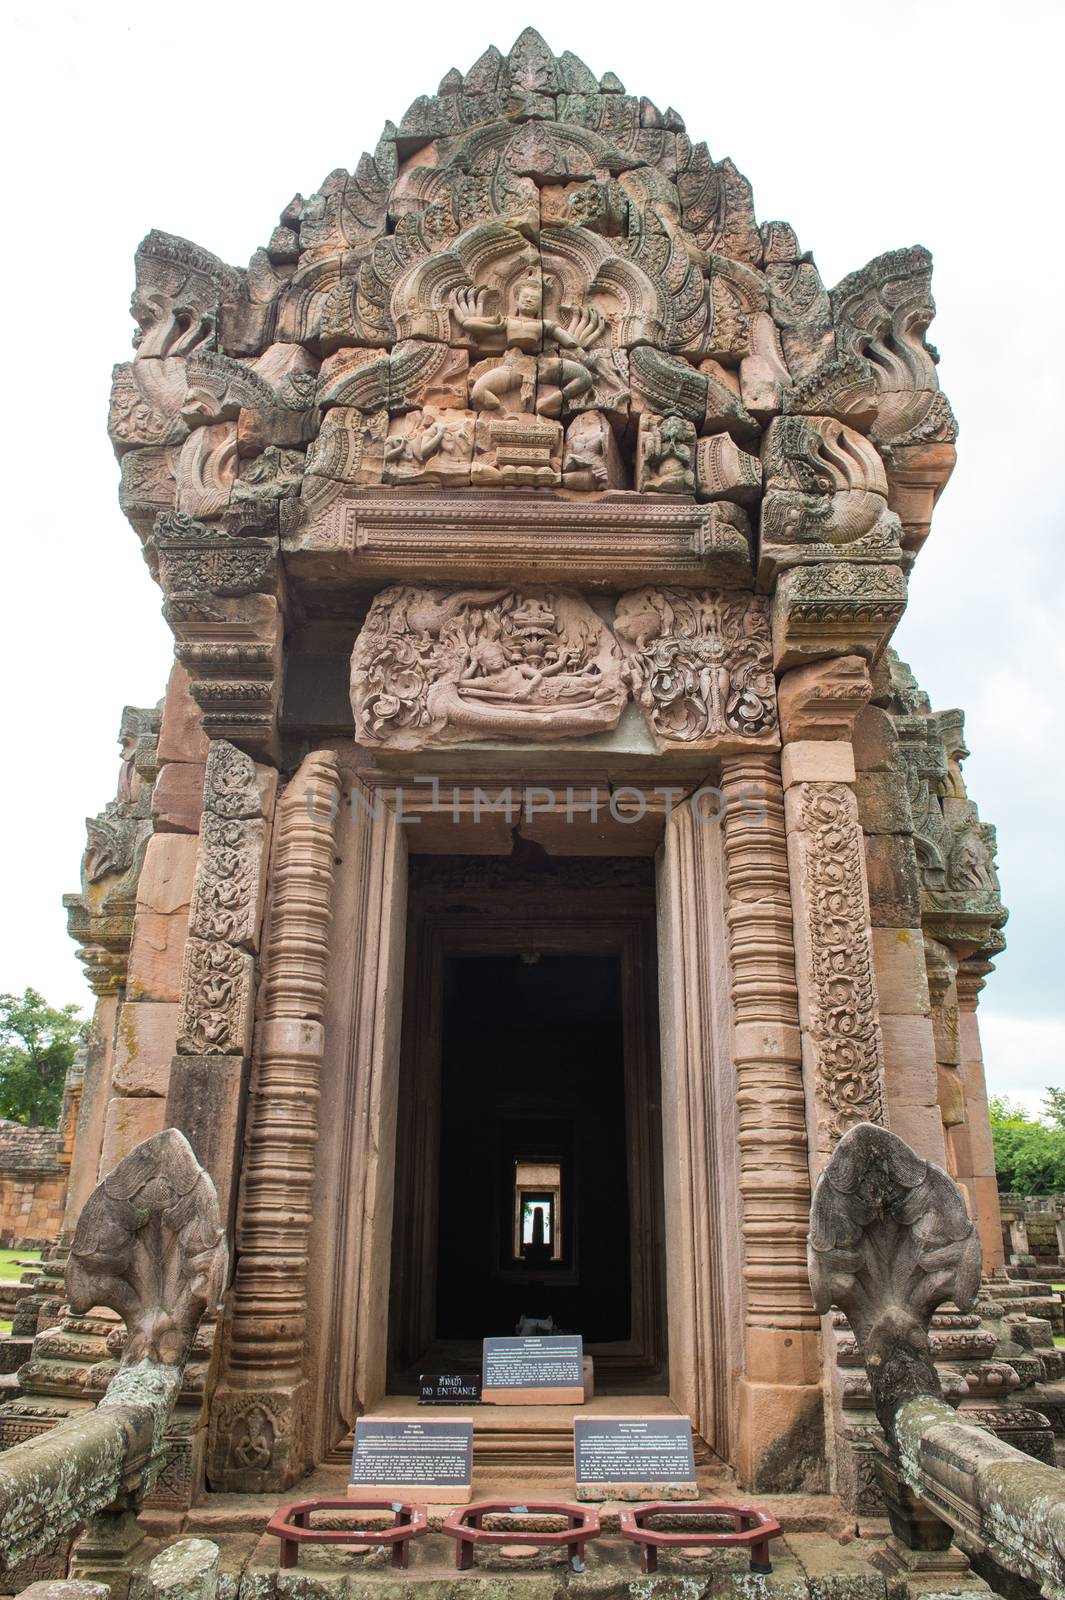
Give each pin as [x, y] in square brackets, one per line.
[537, 814]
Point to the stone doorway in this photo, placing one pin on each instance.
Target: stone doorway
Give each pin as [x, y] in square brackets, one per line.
[409, 896]
[528, 1137]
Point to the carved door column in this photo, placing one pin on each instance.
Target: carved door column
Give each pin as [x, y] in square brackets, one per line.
[781, 1424]
[979, 1179]
[258, 1415]
[842, 1047]
[699, 1129]
[348, 1294]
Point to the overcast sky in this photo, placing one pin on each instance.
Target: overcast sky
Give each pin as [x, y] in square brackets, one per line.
[865, 126]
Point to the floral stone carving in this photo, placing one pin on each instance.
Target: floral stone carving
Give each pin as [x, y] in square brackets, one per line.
[841, 1000]
[217, 992]
[483, 664]
[700, 666]
[149, 1245]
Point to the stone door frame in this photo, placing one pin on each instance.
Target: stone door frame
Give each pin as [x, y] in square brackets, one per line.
[611, 919]
[352, 1201]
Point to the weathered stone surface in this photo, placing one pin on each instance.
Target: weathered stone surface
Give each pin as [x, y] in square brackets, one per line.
[816, 761]
[823, 700]
[143, 1046]
[181, 735]
[185, 1570]
[155, 956]
[165, 882]
[205, 1101]
[177, 798]
[129, 1122]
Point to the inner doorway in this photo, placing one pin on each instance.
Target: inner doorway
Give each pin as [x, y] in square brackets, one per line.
[528, 1142]
[534, 1229]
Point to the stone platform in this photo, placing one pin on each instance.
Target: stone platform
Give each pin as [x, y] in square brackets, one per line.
[819, 1555]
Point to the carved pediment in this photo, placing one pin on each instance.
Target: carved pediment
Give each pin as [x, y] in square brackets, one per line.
[531, 211]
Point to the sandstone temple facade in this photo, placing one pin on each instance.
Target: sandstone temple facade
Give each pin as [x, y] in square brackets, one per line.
[536, 791]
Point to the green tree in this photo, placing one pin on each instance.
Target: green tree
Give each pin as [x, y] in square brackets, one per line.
[37, 1045]
[1054, 1107]
[1029, 1154]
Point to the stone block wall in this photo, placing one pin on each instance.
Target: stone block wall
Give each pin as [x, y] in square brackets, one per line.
[33, 1186]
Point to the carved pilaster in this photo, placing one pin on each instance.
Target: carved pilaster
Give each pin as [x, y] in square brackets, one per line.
[257, 1419]
[842, 1046]
[782, 1426]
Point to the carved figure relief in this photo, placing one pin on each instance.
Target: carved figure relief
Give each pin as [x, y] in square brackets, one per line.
[700, 665]
[433, 447]
[591, 459]
[482, 664]
[961, 900]
[665, 455]
[217, 990]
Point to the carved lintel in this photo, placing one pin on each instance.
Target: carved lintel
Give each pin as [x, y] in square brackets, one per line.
[436, 667]
[631, 538]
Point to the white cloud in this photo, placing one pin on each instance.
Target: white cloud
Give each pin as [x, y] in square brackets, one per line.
[1023, 1055]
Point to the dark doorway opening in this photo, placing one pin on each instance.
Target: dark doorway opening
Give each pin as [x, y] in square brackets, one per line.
[533, 1193]
[528, 1176]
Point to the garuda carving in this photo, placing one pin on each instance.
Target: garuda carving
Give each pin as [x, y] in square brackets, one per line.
[100, 917]
[482, 664]
[961, 903]
[700, 666]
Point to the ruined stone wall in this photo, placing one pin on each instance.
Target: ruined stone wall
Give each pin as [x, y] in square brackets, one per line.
[33, 1186]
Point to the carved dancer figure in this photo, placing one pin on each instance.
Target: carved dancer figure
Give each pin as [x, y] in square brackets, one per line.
[493, 389]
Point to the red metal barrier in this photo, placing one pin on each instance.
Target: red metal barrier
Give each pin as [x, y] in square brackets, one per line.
[751, 1528]
[465, 1526]
[292, 1525]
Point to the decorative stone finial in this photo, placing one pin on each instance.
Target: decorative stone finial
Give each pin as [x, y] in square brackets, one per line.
[890, 1241]
[149, 1245]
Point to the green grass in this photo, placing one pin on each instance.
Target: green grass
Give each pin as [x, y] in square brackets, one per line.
[9, 1260]
[5, 1327]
